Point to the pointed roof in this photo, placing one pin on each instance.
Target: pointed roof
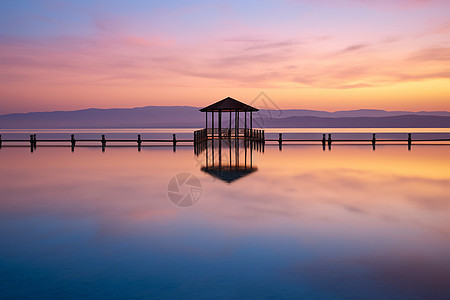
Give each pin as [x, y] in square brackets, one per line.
[228, 104]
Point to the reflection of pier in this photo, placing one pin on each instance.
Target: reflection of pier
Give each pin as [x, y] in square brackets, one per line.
[228, 149]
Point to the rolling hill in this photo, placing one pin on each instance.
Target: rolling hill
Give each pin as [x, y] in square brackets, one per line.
[190, 117]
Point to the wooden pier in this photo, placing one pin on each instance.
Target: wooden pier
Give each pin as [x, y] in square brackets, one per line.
[200, 137]
[328, 140]
[102, 142]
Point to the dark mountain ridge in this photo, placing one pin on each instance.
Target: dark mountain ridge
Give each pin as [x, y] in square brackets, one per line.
[190, 117]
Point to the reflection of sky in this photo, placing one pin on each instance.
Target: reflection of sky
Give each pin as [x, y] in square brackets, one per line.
[350, 222]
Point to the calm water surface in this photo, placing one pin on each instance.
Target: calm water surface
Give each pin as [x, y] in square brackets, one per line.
[350, 223]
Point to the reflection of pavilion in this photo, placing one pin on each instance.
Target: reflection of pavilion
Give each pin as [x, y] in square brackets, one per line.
[228, 151]
[230, 159]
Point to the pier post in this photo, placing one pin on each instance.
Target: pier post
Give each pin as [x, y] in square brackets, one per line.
[0, 141]
[103, 143]
[72, 142]
[31, 143]
[263, 140]
[324, 140]
[34, 141]
[280, 141]
[174, 141]
[139, 142]
[374, 140]
[409, 141]
[329, 141]
[195, 142]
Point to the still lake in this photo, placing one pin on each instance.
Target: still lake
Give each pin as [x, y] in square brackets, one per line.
[350, 223]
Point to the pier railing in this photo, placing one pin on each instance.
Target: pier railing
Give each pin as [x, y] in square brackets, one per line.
[203, 135]
[73, 142]
[328, 140]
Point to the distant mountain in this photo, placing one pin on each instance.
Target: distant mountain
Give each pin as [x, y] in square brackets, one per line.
[402, 121]
[190, 117]
[139, 117]
[349, 113]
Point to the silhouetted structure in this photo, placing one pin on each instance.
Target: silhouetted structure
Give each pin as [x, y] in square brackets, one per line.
[229, 150]
[230, 105]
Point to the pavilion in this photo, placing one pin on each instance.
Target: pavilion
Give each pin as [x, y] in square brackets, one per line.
[232, 106]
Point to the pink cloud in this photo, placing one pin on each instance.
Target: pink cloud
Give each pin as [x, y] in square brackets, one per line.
[138, 60]
[380, 4]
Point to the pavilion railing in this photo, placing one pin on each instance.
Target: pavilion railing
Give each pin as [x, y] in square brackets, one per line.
[201, 137]
[209, 133]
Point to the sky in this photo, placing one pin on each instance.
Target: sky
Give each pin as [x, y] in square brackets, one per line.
[323, 54]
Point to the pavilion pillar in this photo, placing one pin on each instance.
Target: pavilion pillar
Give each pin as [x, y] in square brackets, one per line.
[212, 125]
[245, 124]
[235, 124]
[229, 129]
[220, 124]
[251, 123]
[238, 123]
[206, 122]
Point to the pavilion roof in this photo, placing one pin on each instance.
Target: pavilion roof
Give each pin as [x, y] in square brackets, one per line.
[229, 104]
